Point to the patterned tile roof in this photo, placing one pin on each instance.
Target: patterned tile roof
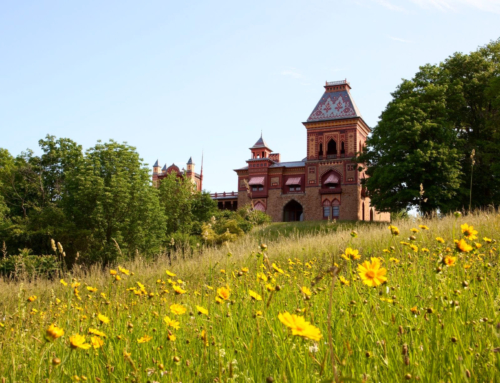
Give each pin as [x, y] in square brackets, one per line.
[334, 105]
[260, 144]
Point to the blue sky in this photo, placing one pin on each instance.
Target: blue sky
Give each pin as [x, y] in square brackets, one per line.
[175, 78]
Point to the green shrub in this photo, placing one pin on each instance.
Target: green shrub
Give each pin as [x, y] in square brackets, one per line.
[30, 266]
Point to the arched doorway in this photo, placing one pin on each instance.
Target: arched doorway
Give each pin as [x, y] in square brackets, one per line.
[293, 212]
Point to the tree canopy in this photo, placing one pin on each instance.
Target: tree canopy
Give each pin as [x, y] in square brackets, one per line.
[419, 154]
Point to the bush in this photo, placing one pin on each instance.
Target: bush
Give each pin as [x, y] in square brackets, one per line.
[30, 266]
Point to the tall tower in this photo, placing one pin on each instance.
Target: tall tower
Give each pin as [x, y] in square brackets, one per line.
[190, 169]
[335, 132]
[156, 173]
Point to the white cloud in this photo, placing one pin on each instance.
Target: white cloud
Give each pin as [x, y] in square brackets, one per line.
[399, 39]
[292, 73]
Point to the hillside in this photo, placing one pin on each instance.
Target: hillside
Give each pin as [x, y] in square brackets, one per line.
[313, 304]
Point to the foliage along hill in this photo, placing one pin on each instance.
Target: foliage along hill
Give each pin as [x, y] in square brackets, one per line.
[381, 305]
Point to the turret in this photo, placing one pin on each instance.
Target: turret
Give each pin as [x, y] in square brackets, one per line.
[156, 168]
[190, 169]
[260, 149]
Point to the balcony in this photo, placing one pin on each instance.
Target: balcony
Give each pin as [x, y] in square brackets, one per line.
[337, 190]
[259, 194]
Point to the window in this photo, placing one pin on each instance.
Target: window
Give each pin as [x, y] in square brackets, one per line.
[342, 148]
[332, 147]
[326, 212]
[335, 211]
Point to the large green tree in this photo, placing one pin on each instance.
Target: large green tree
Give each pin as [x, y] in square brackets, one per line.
[428, 131]
[112, 206]
[30, 186]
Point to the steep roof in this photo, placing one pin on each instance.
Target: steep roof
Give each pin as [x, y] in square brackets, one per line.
[156, 164]
[336, 103]
[164, 167]
[260, 143]
[190, 162]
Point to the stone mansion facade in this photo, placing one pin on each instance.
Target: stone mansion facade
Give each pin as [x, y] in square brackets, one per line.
[324, 185]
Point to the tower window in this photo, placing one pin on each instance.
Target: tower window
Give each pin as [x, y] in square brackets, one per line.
[332, 147]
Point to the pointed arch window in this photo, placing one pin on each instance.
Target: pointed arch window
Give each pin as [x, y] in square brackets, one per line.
[331, 148]
[335, 209]
[327, 208]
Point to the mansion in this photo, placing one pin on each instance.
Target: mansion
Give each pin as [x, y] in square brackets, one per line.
[326, 184]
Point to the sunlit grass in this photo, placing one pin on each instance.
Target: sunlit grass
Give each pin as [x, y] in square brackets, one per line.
[436, 318]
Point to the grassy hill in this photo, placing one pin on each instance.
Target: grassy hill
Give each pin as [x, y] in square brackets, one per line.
[294, 310]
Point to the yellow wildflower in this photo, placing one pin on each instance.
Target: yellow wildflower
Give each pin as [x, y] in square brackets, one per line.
[463, 246]
[63, 282]
[351, 254]
[178, 290]
[300, 326]
[172, 323]
[96, 332]
[223, 293]
[371, 273]
[344, 281]
[170, 274]
[177, 309]
[450, 261]
[468, 232]
[144, 339]
[103, 319]
[96, 342]
[275, 267]
[423, 227]
[440, 240]
[201, 310]
[32, 298]
[124, 271]
[394, 230]
[78, 341]
[92, 289]
[254, 295]
[306, 291]
[54, 332]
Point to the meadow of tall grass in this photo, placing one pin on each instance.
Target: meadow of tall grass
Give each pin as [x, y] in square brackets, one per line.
[362, 303]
